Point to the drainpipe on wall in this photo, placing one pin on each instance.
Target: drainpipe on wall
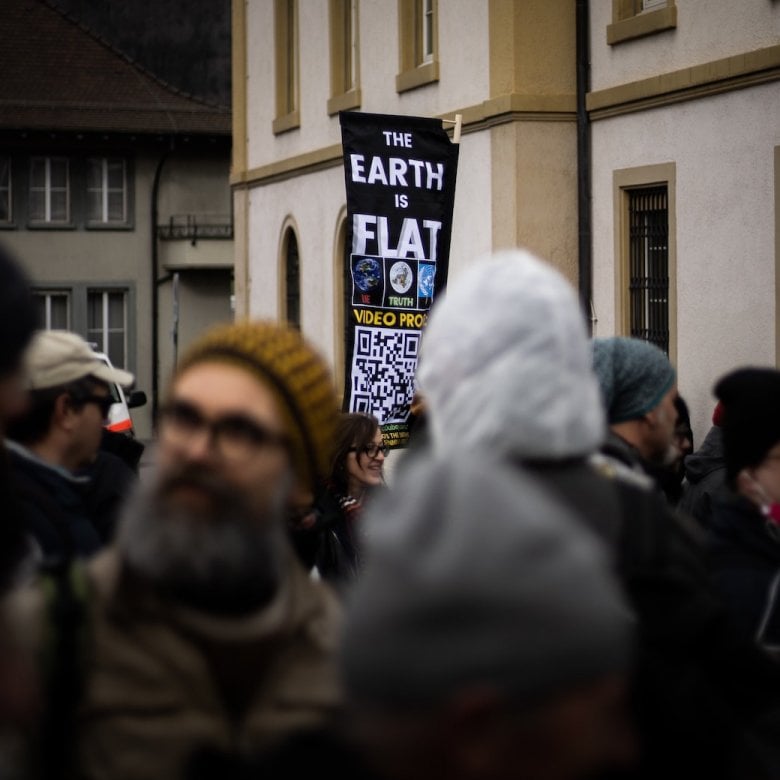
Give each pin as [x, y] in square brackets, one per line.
[584, 164]
[155, 284]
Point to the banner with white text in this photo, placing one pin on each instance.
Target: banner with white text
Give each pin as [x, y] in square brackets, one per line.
[400, 179]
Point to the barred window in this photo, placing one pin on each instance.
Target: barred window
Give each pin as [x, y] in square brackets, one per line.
[648, 237]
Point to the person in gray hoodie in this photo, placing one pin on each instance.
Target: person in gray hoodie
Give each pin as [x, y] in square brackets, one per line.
[485, 650]
[505, 368]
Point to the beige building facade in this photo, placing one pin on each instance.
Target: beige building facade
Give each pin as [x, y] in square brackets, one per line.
[575, 114]
[296, 64]
[685, 105]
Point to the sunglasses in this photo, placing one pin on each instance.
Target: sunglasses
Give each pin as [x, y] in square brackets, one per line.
[104, 402]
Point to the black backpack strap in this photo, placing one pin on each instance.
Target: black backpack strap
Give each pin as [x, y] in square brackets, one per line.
[66, 592]
[30, 492]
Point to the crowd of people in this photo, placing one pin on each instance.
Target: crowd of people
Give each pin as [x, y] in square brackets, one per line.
[553, 583]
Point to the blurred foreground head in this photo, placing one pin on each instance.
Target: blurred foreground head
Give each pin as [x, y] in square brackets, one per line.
[487, 637]
[248, 420]
[17, 324]
[505, 363]
[749, 413]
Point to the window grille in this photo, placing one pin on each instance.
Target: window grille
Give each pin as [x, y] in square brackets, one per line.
[649, 265]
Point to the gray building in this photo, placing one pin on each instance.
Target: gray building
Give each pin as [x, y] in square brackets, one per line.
[114, 194]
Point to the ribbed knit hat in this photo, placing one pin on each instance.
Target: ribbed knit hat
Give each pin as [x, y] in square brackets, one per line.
[481, 577]
[634, 376]
[296, 374]
[750, 419]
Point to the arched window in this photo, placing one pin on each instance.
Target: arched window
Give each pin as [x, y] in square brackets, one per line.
[292, 276]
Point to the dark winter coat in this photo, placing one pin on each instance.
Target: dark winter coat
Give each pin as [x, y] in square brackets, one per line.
[54, 511]
[745, 563]
[705, 477]
[15, 545]
[338, 557]
[701, 694]
[111, 480]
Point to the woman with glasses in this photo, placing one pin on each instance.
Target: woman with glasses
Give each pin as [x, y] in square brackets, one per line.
[357, 471]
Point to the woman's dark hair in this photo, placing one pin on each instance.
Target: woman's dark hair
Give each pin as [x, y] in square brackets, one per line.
[34, 423]
[353, 430]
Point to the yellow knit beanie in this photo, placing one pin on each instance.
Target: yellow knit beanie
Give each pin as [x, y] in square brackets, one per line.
[297, 375]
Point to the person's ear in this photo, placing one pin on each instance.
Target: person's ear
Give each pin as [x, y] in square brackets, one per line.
[65, 411]
[650, 418]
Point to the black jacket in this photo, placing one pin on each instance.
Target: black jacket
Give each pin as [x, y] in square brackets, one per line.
[745, 561]
[703, 696]
[338, 557]
[53, 508]
[705, 477]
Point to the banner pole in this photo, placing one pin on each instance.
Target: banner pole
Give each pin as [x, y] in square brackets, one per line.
[458, 122]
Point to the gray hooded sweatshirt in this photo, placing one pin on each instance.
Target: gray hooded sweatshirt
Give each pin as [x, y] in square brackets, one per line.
[505, 364]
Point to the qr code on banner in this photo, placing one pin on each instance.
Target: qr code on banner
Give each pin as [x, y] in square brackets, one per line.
[384, 362]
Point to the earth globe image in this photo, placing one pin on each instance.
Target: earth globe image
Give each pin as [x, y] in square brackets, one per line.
[425, 277]
[367, 273]
[401, 277]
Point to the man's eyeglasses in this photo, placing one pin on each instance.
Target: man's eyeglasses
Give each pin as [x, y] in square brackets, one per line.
[235, 436]
[105, 402]
[372, 450]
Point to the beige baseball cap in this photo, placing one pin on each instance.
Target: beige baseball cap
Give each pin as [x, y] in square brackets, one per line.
[56, 357]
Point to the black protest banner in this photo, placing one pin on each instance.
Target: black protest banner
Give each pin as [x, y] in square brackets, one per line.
[400, 179]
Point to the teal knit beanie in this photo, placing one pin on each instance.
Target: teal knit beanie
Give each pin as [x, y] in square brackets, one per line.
[634, 376]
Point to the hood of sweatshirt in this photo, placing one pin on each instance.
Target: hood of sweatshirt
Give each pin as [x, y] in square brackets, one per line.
[706, 459]
[505, 363]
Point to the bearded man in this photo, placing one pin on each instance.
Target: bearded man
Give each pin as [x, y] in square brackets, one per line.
[204, 635]
[639, 388]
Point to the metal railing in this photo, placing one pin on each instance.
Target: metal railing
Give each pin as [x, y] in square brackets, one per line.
[192, 227]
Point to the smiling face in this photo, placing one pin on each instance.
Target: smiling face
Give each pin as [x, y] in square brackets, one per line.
[365, 470]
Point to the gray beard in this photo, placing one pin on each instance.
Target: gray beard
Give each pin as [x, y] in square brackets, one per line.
[223, 557]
